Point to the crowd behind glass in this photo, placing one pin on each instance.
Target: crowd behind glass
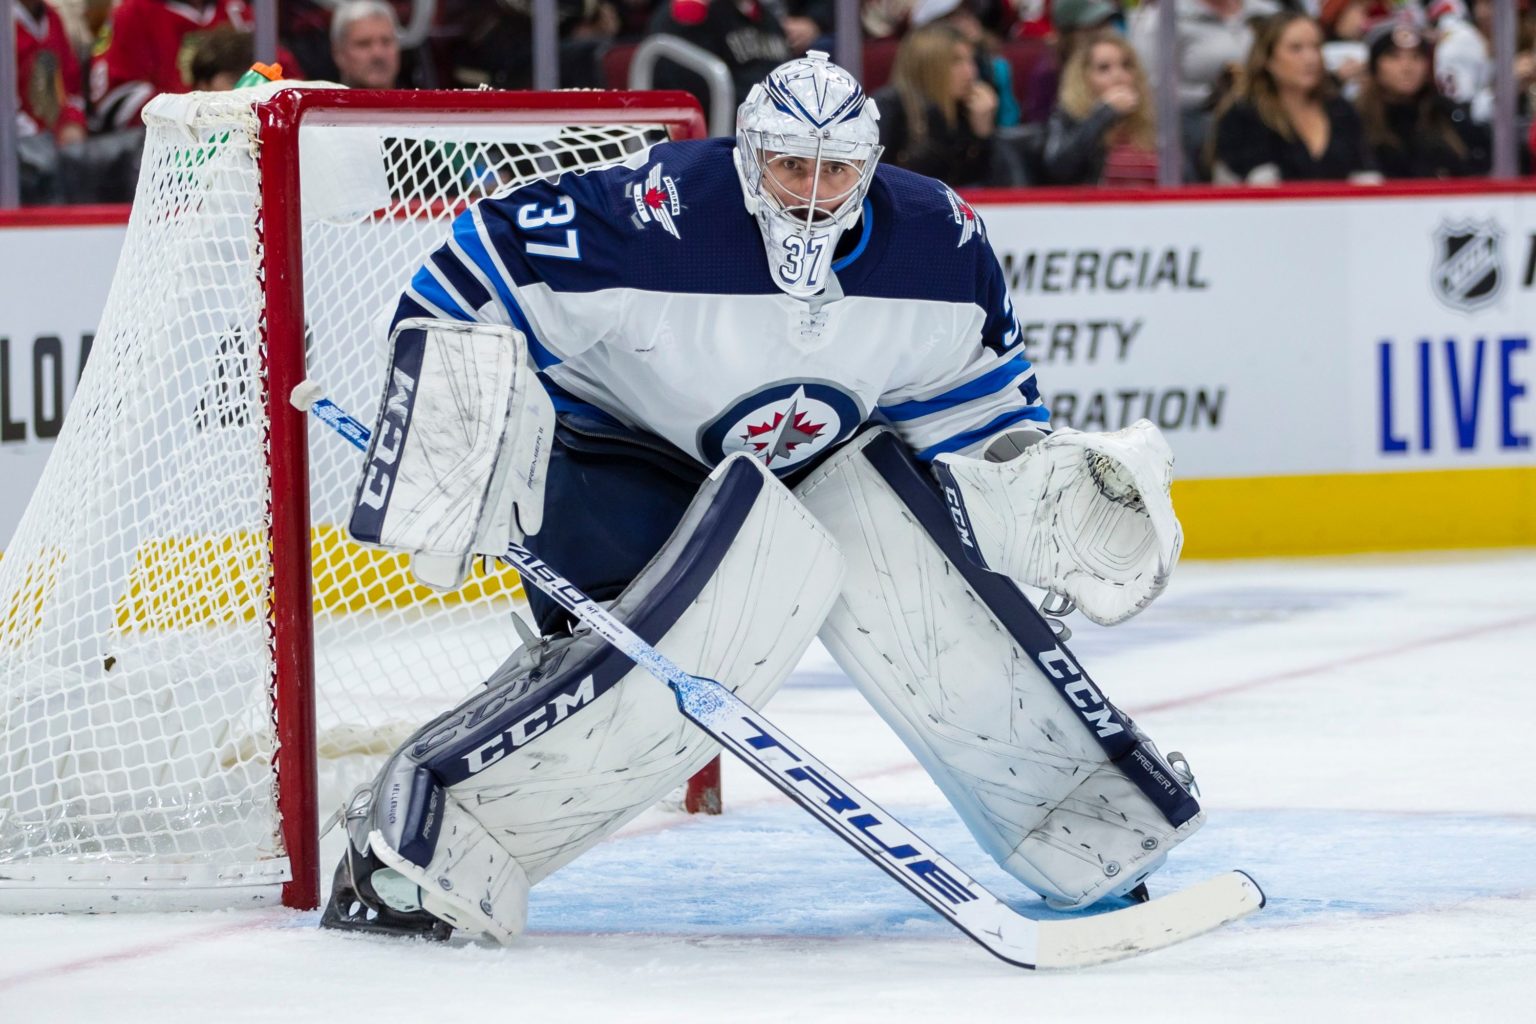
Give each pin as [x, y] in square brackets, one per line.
[975, 92]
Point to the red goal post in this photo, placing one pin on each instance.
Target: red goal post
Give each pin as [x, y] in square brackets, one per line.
[280, 119]
[189, 643]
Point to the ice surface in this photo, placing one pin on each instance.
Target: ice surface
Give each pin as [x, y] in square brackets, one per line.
[1359, 728]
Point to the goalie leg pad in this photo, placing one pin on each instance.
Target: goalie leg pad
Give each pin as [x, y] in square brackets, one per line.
[1052, 780]
[570, 740]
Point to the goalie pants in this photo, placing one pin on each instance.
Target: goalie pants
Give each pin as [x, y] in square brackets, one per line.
[613, 498]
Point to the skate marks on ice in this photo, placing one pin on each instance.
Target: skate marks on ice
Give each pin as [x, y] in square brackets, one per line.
[769, 873]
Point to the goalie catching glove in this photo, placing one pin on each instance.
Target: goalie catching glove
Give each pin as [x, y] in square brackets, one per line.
[1085, 515]
[460, 452]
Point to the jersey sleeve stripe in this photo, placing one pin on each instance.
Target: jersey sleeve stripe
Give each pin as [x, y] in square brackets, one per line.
[430, 293]
[1001, 378]
[941, 426]
[469, 231]
[1031, 388]
[456, 249]
[409, 307]
[458, 278]
[1034, 415]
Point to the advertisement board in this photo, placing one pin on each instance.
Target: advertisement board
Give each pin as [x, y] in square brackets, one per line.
[1272, 338]
[54, 280]
[1336, 371]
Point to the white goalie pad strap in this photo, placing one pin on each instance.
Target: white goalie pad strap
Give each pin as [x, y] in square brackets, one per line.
[472, 882]
[1051, 779]
[460, 452]
[1081, 514]
[570, 740]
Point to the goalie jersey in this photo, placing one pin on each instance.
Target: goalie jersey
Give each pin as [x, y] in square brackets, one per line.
[645, 295]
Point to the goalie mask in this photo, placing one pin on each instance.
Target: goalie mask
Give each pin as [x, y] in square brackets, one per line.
[806, 149]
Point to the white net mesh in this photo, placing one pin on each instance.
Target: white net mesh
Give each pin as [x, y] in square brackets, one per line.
[135, 646]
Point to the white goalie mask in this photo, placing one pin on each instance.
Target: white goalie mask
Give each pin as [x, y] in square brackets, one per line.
[807, 144]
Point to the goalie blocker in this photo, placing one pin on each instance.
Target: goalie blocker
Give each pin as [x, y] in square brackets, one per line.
[460, 453]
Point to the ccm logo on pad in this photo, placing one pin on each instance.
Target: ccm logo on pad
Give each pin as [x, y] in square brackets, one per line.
[1058, 664]
[551, 712]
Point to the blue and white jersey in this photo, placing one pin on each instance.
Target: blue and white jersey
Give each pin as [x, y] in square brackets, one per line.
[645, 294]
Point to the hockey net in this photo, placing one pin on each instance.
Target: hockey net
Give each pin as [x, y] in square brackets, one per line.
[156, 604]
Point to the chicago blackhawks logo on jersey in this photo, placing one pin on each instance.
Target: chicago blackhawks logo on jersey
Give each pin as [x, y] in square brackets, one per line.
[784, 425]
[965, 216]
[656, 200]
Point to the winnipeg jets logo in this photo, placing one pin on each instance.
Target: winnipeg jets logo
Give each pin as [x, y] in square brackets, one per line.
[656, 200]
[963, 215]
[780, 436]
[784, 426]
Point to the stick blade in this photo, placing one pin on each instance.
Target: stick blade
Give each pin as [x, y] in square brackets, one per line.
[1163, 922]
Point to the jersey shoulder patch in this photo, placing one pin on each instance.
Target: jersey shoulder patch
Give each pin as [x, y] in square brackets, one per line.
[679, 188]
[930, 208]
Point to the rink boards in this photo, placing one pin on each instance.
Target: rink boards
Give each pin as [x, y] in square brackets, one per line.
[1337, 370]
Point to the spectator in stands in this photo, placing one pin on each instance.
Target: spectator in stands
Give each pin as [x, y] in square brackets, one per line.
[745, 34]
[1103, 129]
[1285, 122]
[50, 114]
[144, 49]
[1072, 21]
[885, 19]
[304, 29]
[1463, 62]
[1525, 36]
[991, 67]
[47, 75]
[365, 44]
[490, 42]
[82, 21]
[1414, 131]
[807, 25]
[936, 117]
[1344, 55]
[219, 58]
[634, 21]
[1212, 40]
[1463, 59]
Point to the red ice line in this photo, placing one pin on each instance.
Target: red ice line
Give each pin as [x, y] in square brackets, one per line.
[1337, 663]
[248, 921]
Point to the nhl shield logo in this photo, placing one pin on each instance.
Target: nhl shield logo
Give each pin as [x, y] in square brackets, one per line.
[1467, 274]
[784, 426]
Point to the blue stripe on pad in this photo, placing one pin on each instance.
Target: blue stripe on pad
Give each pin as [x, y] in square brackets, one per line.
[665, 603]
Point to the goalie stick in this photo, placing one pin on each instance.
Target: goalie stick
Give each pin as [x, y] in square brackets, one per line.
[859, 821]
